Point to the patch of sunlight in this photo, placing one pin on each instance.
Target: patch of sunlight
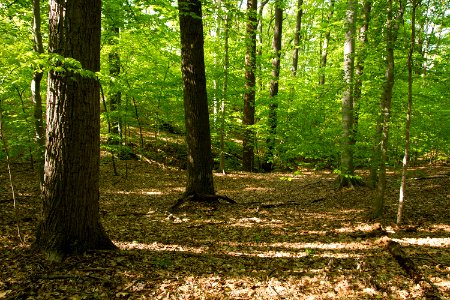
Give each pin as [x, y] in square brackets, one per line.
[431, 242]
[139, 192]
[284, 254]
[250, 222]
[361, 227]
[436, 227]
[323, 246]
[155, 246]
[259, 189]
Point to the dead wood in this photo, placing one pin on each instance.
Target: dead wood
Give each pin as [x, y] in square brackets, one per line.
[431, 177]
[201, 198]
[408, 265]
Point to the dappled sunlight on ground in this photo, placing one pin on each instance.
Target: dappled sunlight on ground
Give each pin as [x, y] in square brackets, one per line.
[297, 238]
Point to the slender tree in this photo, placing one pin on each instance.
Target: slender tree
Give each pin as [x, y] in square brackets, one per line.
[226, 64]
[347, 169]
[401, 200]
[297, 36]
[36, 92]
[250, 81]
[198, 137]
[70, 223]
[273, 106]
[392, 25]
[325, 44]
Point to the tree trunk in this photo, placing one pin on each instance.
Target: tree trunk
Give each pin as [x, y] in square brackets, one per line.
[360, 58]
[273, 106]
[297, 37]
[347, 170]
[408, 113]
[324, 49]
[226, 64]
[385, 103]
[36, 93]
[198, 136]
[71, 222]
[115, 96]
[248, 141]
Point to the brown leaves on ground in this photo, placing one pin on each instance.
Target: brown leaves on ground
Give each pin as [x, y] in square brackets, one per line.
[288, 237]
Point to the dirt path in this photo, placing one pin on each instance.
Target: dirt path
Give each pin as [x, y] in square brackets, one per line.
[287, 238]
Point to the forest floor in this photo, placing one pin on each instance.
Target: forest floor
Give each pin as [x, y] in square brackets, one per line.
[288, 237]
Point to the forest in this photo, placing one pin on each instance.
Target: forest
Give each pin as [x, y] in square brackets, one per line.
[225, 149]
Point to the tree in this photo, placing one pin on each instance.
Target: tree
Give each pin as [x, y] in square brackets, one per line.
[250, 81]
[409, 63]
[70, 223]
[297, 37]
[392, 25]
[324, 48]
[272, 118]
[198, 137]
[36, 91]
[347, 169]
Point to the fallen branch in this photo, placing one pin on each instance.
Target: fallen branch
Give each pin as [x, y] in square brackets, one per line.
[408, 265]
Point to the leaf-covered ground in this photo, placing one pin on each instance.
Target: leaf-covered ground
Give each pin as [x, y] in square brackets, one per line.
[289, 237]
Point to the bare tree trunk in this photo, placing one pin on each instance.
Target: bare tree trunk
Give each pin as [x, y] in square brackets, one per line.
[347, 170]
[392, 26]
[297, 37]
[324, 49]
[408, 113]
[273, 106]
[248, 142]
[225, 90]
[36, 92]
[71, 223]
[360, 58]
[198, 136]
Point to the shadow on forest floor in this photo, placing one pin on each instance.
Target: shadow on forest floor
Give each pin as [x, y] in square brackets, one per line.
[287, 238]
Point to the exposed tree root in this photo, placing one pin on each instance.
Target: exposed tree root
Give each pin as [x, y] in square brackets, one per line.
[408, 265]
[200, 198]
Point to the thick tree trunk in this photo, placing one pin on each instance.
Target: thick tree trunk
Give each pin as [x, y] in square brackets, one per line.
[248, 141]
[273, 106]
[70, 222]
[36, 93]
[401, 199]
[347, 170]
[198, 137]
[297, 37]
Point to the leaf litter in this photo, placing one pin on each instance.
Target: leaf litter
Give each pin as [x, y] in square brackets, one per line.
[288, 237]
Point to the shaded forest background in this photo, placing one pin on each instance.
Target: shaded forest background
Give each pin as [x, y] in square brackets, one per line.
[142, 88]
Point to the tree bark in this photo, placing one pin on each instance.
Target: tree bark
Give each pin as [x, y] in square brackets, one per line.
[347, 169]
[409, 63]
[324, 49]
[226, 64]
[36, 93]
[70, 223]
[274, 83]
[249, 94]
[198, 136]
[392, 26]
[297, 37]
[115, 96]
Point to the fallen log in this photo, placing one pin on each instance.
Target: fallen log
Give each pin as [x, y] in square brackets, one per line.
[201, 198]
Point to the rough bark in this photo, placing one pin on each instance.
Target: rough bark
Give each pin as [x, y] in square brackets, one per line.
[347, 169]
[297, 37]
[70, 223]
[274, 83]
[198, 137]
[250, 81]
